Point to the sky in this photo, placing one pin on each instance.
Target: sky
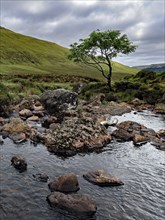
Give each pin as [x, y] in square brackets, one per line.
[66, 21]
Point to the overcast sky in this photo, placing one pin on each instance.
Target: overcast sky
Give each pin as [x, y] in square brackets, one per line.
[66, 21]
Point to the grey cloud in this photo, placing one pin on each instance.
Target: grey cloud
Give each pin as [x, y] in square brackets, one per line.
[65, 22]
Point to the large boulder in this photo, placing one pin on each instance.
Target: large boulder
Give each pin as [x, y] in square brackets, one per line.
[77, 136]
[102, 178]
[66, 183]
[58, 101]
[81, 204]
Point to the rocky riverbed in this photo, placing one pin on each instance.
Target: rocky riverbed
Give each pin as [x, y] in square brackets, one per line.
[67, 127]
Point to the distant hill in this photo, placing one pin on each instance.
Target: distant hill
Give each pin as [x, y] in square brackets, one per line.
[155, 67]
[27, 56]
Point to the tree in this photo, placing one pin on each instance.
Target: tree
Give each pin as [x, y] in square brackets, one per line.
[98, 50]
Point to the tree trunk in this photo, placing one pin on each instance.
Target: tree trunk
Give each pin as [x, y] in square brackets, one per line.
[109, 77]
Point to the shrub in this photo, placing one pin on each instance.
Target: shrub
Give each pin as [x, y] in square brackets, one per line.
[145, 75]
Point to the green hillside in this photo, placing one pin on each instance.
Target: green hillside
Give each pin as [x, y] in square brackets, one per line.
[24, 54]
[31, 65]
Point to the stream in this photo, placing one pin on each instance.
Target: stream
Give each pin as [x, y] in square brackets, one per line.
[142, 169]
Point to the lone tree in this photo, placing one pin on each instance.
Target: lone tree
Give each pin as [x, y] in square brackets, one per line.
[98, 50]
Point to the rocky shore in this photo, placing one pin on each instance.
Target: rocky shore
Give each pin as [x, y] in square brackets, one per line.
[67, 126]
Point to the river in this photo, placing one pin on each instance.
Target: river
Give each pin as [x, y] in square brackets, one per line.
[142, 169]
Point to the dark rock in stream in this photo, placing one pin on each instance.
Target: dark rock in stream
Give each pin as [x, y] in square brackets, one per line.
[1, 141]
[19, 163]
[82, 204]
[129, 130]
[42, 177]
[66, 183]
[102, 178]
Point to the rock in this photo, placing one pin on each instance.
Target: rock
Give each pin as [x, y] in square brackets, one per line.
[66, 183]
[122, 135]
[139, 140]
[38, 108]
[33, 118]
[42, 177]
[58, 101]
[78, 87]
[136, 102]
[1, 141]
[16, 125]
[19, 163]
[25, 113]
[82, 204]
[159, 145]
[102, 178]
[97, 100]
[18, 137]
[108, 123]
[24, 104]
[139, 134]
[77, 136]
[161, 133]
[48, 120]
[112, 108]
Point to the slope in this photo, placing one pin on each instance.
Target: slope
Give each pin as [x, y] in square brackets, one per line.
[22, 54]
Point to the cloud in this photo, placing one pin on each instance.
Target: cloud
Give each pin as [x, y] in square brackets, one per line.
[66, 21]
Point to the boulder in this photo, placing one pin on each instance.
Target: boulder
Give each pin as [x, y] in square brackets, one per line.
[102, 178]
[129, 130]
[19, 163]
[81, 204]
[58, 101]
[66, 183]
[77, 136]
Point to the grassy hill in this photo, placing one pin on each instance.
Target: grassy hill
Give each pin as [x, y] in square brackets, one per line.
[30, 65]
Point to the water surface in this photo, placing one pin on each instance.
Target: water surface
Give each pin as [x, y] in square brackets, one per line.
[142, 170]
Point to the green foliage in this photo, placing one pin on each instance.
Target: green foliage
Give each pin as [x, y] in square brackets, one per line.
[98, 50]
[150, 90]
[92, 89]
[145, 85]
[4, 95]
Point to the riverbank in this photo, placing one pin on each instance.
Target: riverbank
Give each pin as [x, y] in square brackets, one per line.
[67, 125]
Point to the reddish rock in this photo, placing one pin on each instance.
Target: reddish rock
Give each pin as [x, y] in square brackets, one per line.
[82, 204]
[66, 183]
[102, 178]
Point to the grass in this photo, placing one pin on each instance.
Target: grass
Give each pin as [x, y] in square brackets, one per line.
[22, 54]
